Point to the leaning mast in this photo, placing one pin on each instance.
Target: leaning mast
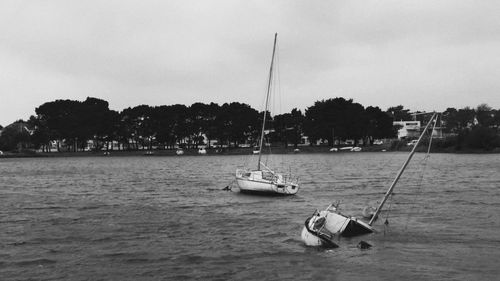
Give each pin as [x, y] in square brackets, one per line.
[386, 196]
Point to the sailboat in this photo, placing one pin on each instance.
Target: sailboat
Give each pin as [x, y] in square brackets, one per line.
[323, 226]
[264, 180]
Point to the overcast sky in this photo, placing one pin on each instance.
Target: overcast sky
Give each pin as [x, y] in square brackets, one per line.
[425, 55]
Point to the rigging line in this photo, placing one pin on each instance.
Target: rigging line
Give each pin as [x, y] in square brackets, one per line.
[386, 223]
[279, 96]
[266, 140]
[278, 80]
[423, 162]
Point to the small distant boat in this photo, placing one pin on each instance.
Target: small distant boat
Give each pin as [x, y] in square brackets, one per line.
[263, 180]
[349, 148]
[334, 149]
[356, 149]
[179, 152]
[149, 153]
[202, 151]
[323, 226]
[296, 150]
[412, 142]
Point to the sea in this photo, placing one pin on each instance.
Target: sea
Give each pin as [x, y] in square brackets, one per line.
[169, 218]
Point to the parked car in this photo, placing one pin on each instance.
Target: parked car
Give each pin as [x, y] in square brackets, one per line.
[413, 142]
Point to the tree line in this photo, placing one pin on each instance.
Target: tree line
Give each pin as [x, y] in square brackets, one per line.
[71, 124]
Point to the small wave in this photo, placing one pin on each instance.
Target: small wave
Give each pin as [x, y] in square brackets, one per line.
[14, 221]
[35, 262]
[275, 234]
[137, 260]
[216, 189]
[191, 259]
[291, 241]
[115, 255]
[103, 239]
[90, 207]
[44, 208]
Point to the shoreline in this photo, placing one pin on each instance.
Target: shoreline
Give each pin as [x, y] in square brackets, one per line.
[232, 151]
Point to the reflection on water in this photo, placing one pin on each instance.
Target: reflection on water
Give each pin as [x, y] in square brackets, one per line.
[167, 218]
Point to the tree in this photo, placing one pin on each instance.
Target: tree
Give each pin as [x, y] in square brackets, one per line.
[398, 113]
[336, 118]
[379, 124]
[15, 136]
[41, 134]
[455, 121]
[484, 115]
[62, 119]
[96, 122]
[201, 121]
[237, 123]
[288, 127]
[481, 137]
[139, 125]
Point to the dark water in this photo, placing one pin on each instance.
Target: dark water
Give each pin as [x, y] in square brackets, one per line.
[166, 218]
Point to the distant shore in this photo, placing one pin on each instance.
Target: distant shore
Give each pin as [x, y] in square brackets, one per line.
[233, 151]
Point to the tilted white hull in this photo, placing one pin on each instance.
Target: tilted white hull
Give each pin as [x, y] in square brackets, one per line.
[331, 224]
[310, 239]
[339, 224]
[318, 238]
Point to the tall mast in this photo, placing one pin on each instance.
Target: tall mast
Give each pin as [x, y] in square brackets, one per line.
[267, 101]
[379, 208]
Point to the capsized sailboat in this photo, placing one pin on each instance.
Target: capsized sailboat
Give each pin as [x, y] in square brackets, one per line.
[263, 179]
[323, 226]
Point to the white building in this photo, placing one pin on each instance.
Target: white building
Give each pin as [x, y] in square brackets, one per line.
[407, 129]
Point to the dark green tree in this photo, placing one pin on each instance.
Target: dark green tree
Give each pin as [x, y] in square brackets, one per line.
[288, 127]
[140, 125]
[237, 123]
[456, 121]
[15, 137]
[336, 118]
[379, 125]
[485, 116]
[399, 113]
[62, 119]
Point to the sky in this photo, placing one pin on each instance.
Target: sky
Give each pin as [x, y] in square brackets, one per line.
[424, 55]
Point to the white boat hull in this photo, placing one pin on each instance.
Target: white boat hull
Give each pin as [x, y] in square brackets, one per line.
[310, 239]
[254, 182]
[329, 224]
[313, 239]
[254, 186]
[346, 226]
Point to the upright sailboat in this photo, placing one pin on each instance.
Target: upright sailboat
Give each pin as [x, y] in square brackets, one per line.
[263, 179]
[323, 226]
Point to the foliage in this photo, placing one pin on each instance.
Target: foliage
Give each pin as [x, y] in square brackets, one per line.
[15, 136]
[468, 128]
[74, 125]
[398, 113]
[338, 118]
[288, 128]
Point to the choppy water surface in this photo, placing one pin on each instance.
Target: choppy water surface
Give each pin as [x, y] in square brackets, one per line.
[154, 218]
